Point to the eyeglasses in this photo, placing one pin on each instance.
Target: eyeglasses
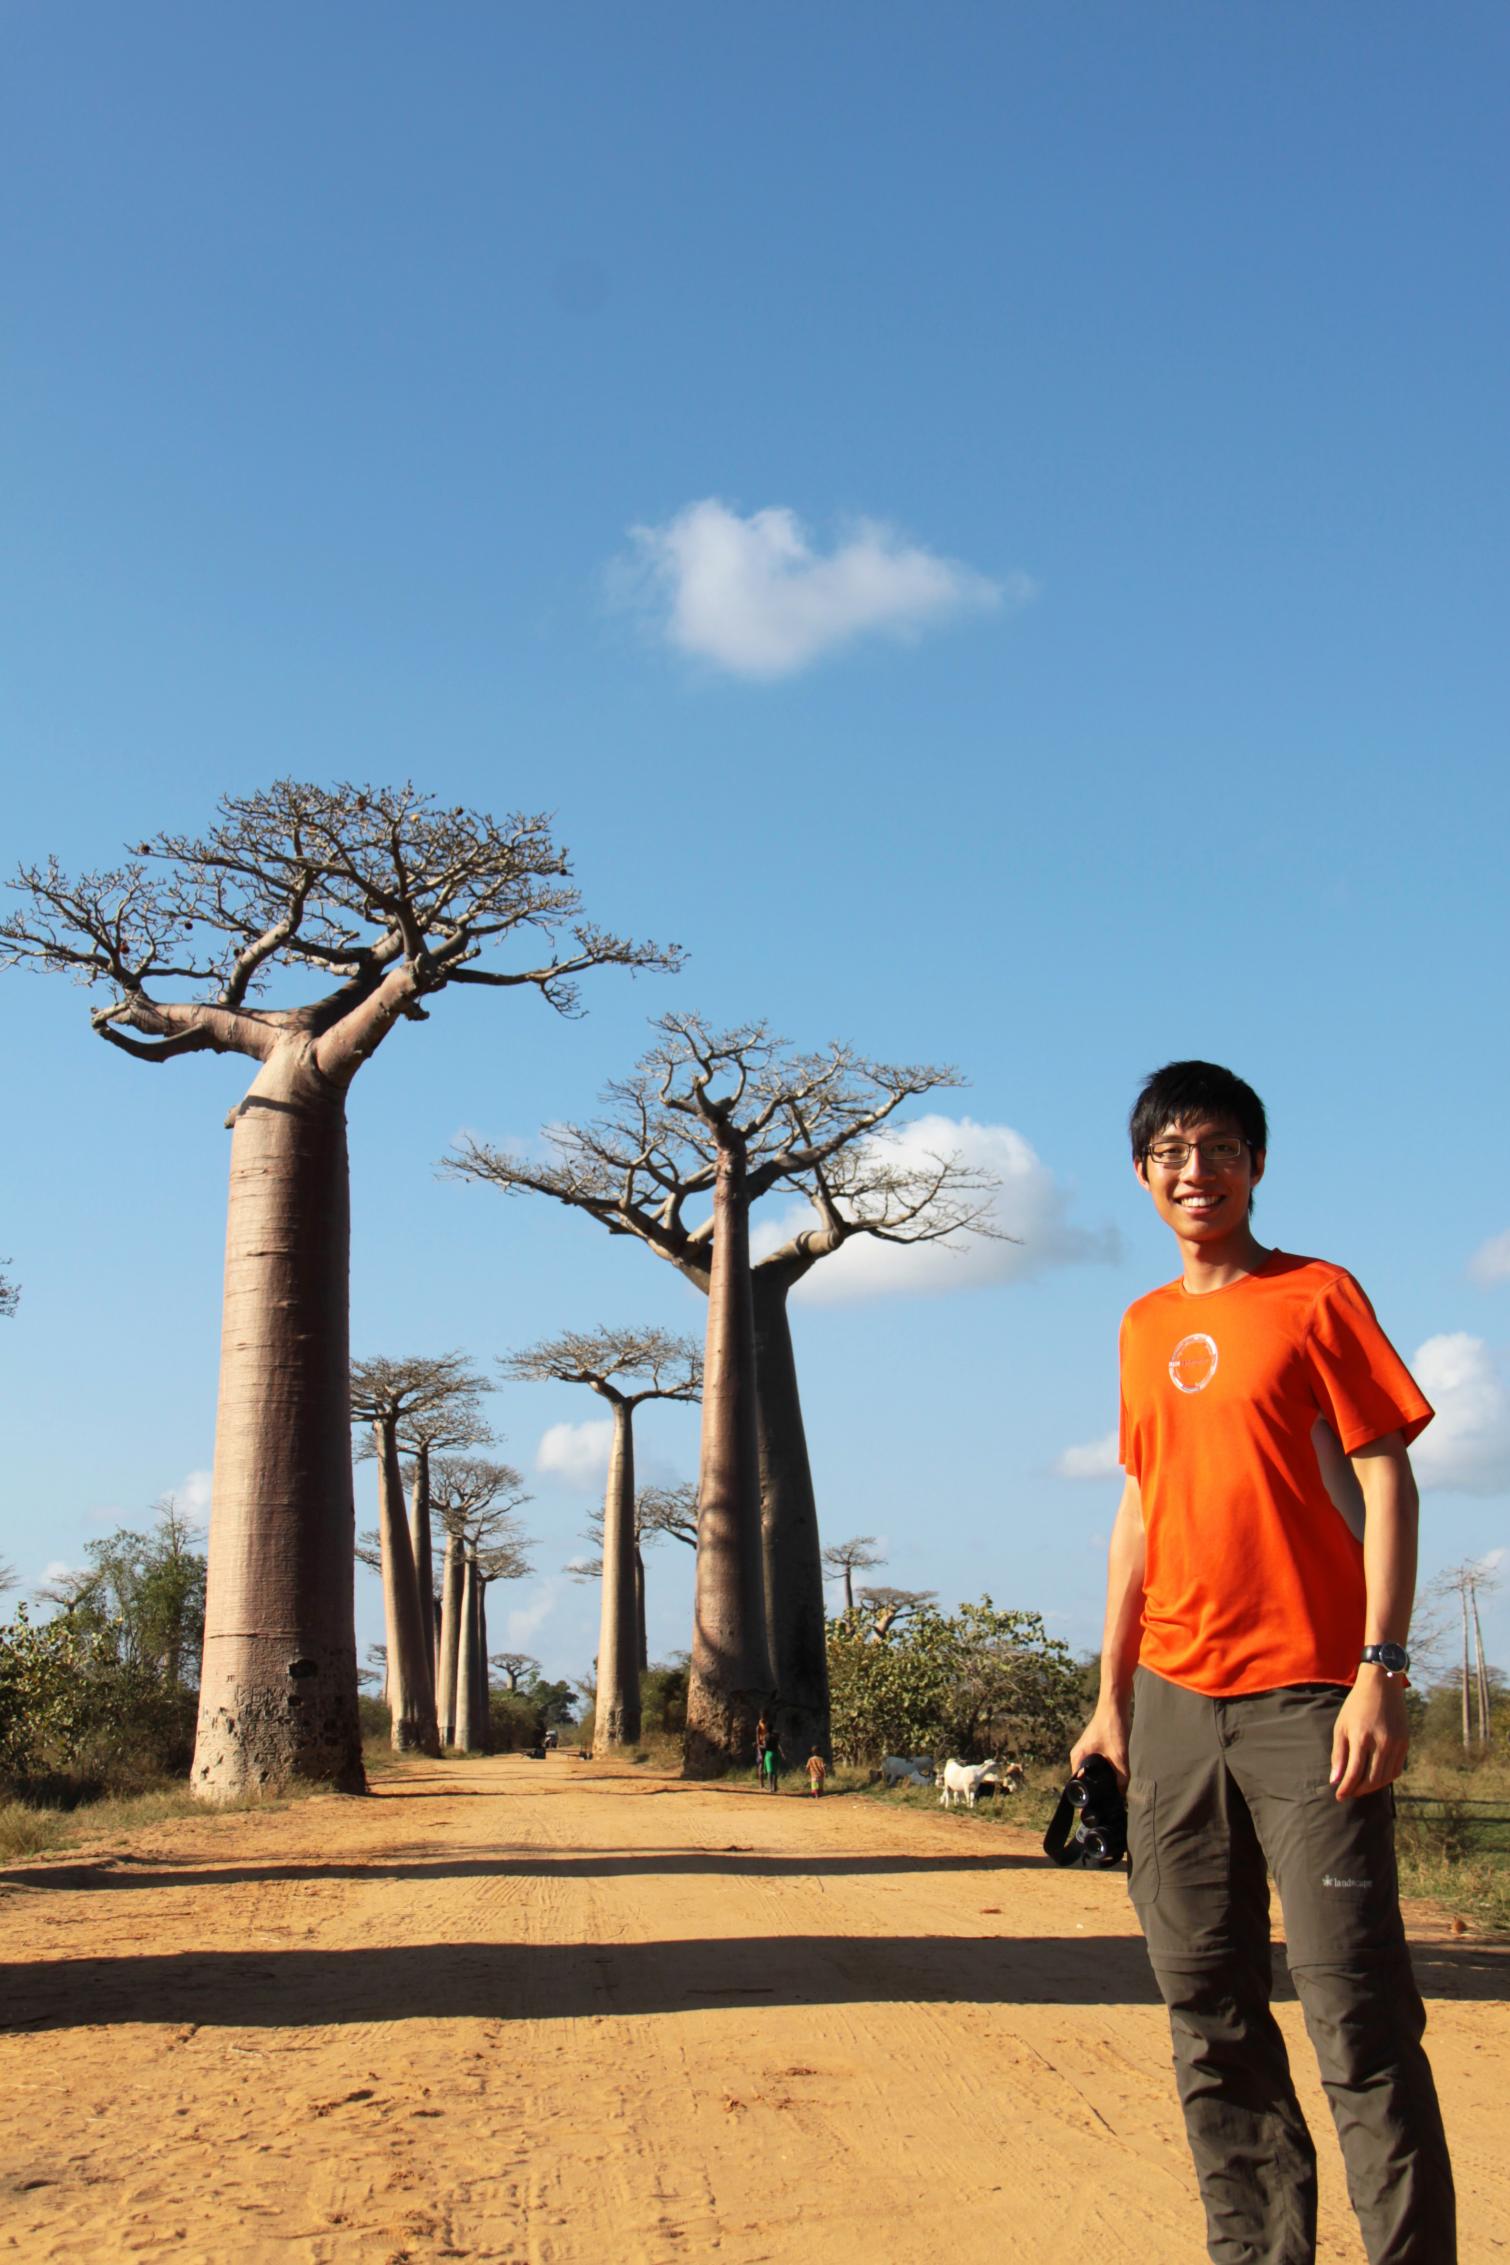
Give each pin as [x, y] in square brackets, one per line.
[1174, 1155]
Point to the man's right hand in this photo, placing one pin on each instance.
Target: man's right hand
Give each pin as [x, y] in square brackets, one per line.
[1105, 1734]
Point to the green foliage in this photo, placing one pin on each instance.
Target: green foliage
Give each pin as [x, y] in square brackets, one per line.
[970, 1683]
[663, 1699]
[101, 1698]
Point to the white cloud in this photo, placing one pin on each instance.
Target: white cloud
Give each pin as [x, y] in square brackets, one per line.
[527, 1620]
[1096, 1460]
[576, 1452]
[1466, 1449]
[753, 596]
[1030, 1205]
[192, 1494]
[1491, 1261]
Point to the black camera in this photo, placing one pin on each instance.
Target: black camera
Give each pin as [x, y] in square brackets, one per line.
[1089, 1831]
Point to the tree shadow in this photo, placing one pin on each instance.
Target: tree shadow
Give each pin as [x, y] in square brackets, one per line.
[300, 1989]
[116, 1872]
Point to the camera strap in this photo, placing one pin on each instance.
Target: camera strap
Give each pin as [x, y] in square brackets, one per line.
[1056, 1841]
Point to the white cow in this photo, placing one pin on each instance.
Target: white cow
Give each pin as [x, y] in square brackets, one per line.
[906, 1769]
[963, 1779]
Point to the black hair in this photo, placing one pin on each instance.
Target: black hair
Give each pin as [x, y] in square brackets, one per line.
[1182, 1091]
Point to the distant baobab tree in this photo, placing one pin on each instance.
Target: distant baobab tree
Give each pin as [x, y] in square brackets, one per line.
[383, 898]
[625, 1367]
[842, 1560]
[657, 1510]
[10, 1292]
[452, 1423]
[515, 1666]
[725, 1117]
[429, 1399]
[475, 1502]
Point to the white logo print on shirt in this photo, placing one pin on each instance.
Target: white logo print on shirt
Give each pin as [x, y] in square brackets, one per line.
[1193, 1363]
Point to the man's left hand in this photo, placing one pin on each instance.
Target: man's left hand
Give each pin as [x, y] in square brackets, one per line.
[1370, 1739]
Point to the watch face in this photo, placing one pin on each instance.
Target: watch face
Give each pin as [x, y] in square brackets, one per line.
[1394, 1657]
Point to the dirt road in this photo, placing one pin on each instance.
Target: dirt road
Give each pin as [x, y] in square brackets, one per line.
[545, 2012]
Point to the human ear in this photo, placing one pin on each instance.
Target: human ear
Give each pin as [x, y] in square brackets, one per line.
[1260, 1157]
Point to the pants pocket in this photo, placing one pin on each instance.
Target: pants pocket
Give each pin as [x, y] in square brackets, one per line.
[1143, 1841]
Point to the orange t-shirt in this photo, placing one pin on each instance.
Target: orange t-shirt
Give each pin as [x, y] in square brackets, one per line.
[1239, 1410]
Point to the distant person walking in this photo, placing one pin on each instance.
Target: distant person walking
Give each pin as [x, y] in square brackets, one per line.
[817, 1771]
[762, 1740]
[771, 1763]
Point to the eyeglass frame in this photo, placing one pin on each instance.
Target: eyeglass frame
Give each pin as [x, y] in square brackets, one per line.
[1196, 1148]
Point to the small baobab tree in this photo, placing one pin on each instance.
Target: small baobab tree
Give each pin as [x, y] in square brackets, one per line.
[514, 1667]
[475, 1502]
[427, 1398]
[709, 1123]
[842, 1560]
[380, 898]
[451, 1423]
[625, 1367]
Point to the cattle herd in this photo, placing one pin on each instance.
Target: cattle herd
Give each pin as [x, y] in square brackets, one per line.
[956, 1781]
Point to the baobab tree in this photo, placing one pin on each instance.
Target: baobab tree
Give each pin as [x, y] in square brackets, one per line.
[385, 898]
[723, 1118]
[842, 1560]
[475, 1502]
[514, 1667]
[450, 1423]
[429, 1398]
[1467, 1583]
[657, 1510]
[625, 1367]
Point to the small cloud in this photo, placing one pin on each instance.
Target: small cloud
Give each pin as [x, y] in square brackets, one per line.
[192, 1494]
[1466, 1448]
[1030, 1206]
[528, 1619]
[576, 1452]
[58, 1569]
[753, 596]
[1491, 1261]
[1096, 1460]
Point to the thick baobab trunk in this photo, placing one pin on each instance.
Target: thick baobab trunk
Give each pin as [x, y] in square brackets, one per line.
[278, 1687]
[452, 1575]
[411, 1694]
[466, 1739]
[419, 1546]
[789, 1533]
[730, 1679]
[618, 1704]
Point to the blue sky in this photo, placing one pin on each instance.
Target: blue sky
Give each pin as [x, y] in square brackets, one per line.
[986, 525]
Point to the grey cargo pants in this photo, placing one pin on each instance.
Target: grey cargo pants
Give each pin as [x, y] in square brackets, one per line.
[1222, 1791]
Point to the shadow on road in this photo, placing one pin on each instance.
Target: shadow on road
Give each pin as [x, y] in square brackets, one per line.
[562, 1864]
[298, 1989]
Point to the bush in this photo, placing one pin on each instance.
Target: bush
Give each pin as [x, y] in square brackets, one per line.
[663, 1699]
[975, 1682]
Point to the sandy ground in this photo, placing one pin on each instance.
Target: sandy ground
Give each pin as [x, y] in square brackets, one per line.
[549, 2012]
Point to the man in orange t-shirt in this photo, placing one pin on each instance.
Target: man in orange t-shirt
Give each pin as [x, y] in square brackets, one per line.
[1260, 1582]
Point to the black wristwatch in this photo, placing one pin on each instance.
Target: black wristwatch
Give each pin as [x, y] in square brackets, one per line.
[1393, 1658]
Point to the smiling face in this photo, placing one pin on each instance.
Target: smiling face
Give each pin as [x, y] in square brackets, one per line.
[1205, 1198]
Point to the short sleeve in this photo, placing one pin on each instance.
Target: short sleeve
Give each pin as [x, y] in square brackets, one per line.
[1364, 1388]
